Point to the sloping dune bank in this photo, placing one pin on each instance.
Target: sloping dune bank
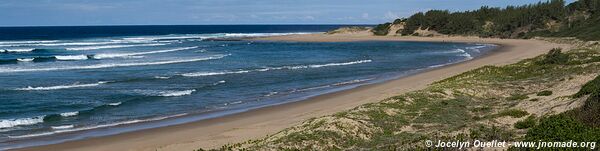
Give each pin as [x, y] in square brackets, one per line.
[258, 123]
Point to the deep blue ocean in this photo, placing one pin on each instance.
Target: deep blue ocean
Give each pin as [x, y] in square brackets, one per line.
[75, 80]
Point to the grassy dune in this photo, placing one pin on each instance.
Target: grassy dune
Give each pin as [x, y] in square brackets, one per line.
[535, 99]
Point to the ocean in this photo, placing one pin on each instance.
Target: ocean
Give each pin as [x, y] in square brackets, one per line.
[66, 83]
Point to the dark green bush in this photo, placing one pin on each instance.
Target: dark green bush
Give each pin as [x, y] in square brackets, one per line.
[493, 133]
[590, 88]
[382, 29]
[562, 128]
[526, 123]
[544, 93]
[554, 56]
[517, 97]
[513, 113]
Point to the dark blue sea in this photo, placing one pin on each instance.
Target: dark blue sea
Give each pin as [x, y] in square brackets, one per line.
[69, 83]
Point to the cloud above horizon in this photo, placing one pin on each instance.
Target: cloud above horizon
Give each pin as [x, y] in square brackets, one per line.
[185, 12]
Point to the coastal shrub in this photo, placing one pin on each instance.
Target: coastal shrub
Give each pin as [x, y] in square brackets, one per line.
[517, 97]
[544, 93]
[562, 127]
[526, 123]
[590, 88]
[515, 113]
[382, 29]
[589, 113]
[554, 56]
[493, 133]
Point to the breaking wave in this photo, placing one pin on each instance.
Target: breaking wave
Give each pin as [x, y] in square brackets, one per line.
[68, 114]
[114, 46]
[99, 66]
[71, 128]
[199, 74]
[117, 55]
[76, 85]
[72, 57]
[166, 93]
[8, 123]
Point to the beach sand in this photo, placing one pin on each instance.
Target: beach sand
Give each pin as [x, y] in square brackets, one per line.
[254, 124]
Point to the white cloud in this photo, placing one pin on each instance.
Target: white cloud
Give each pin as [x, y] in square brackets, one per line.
[365, 15]
[391, 16]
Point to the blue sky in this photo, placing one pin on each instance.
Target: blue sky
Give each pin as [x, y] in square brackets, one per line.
[195, 12]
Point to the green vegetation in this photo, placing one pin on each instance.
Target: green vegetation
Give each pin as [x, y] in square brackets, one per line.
[348, 30]
[591, 88]
[472, 105]
[382, 29]
[555, 56]
[552, 18]
[512, 113]
[527, 123]
[544, 93]
[562, 128]
[518, 97]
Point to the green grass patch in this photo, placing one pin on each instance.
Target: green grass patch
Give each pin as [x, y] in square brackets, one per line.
[554, 56]
[562, 128]
[515, 97]
[526, 123]
[544, 93]
[490, 133]
[590, 88]
[515, 113]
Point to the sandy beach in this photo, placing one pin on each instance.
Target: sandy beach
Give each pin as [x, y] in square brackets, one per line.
[213, 133]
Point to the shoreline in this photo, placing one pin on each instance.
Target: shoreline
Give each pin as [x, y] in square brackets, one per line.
[256, 123]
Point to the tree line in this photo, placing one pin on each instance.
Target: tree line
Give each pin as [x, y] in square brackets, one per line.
[551, 18]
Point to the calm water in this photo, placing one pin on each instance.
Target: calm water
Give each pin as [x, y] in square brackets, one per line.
[97, 77]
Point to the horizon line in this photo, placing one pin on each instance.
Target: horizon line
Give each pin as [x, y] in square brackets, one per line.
[1, 26]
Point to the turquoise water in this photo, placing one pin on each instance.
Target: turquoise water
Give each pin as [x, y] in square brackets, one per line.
[74, 85]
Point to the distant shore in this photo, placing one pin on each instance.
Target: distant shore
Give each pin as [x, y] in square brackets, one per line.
[254, 124]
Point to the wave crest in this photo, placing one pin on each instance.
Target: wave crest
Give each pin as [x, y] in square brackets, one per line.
[58, 87]
[99, 66]
[199, 74]
[120, 55]
[8, 123]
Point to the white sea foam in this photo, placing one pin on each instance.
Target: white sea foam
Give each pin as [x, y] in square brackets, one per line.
[72, 57]
[272, 93]
[7, 123]
[340, 64]
[161, 77]
[232, 103]
[62, 127]
[262, 34]
[67, 114]
[115, 104]
[219, 82]
[117, 55]
[168, 37]
[114, 46]
[25, 59]
[165, 93]
[99, 66]
[58, 131]
[17, 50]
[352, 82]
[28, 42]
[76, 85]
[176, 93]
[199, 74]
